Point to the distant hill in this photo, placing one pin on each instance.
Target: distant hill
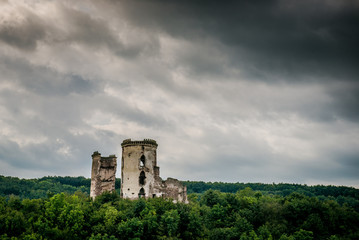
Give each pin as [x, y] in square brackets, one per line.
[282, 189]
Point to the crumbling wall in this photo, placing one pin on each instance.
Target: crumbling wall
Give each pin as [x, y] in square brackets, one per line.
[172, 188]
[103, 174]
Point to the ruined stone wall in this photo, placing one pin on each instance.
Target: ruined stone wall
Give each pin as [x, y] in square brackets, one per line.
[140, 173]
[103, 174]
[172, 188]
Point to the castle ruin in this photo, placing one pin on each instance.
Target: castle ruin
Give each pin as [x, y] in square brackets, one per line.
[140, 175]
[103, 174]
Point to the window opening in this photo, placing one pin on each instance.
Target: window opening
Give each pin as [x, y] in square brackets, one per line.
[142, 161]
[141, 193]
[142, 178]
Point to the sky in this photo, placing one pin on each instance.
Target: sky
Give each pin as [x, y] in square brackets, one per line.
[233, 91]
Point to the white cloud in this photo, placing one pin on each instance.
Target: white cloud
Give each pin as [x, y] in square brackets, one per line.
[80, 77]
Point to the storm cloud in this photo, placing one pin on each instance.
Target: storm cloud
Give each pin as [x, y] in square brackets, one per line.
[241, 91]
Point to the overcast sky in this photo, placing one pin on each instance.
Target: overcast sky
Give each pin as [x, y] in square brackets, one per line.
[233, 91]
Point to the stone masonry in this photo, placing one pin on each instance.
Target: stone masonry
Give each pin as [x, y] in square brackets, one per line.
[140, 173]
[103, 174]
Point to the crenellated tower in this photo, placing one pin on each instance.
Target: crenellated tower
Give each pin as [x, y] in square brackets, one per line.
[138, 168]
[140, 175]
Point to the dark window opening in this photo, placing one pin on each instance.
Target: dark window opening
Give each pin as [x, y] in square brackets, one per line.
[141, 193]
[154, 195]
[142, 161]
[142, 178]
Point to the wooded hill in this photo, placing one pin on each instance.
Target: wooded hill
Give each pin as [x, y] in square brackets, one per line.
[60, 208]
[48, 186]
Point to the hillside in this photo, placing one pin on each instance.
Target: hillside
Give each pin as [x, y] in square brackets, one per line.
[60, 208]
[48, 186]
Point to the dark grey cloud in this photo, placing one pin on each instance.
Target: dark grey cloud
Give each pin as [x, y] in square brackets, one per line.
[70, 26]
[23, 34]
[65, 154]
[346, 100]
[286, 38]
[43, 79]
[271, 41]
[84, 28]
[260, 91]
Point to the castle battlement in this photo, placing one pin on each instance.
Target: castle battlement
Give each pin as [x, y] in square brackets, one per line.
[140, 175]
[148, 142]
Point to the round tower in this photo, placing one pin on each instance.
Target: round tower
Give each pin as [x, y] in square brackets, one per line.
[139, 170]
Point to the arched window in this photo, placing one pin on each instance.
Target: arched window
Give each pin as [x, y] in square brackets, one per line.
[142, 178]
[141, 193]
[142, 161]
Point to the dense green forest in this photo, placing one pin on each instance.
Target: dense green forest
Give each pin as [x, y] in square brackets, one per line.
[45, 186]
[60, 208]
[48, 186]
[40, 187]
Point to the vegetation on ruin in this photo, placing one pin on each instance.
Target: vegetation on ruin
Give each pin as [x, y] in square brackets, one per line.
[60, 208]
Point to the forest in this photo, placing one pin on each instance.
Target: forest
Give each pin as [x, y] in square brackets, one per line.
[60, 208]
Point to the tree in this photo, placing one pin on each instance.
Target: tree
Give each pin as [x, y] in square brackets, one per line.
[133, 228]
[169, 223]
[303, 235]
[249, 236]
[211, 198]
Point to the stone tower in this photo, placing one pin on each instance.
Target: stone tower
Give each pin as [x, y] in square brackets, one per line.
[103, 174]
[140, 173]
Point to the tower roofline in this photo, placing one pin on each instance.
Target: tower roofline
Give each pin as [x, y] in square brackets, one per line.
[129, 142]
[96, 153]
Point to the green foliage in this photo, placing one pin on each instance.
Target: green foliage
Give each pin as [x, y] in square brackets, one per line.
[244, 214]
[303, 235]
[342, 194]
[169, 223]
[49, 186]
[249, 236]
[42, 187]
[211, 198]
